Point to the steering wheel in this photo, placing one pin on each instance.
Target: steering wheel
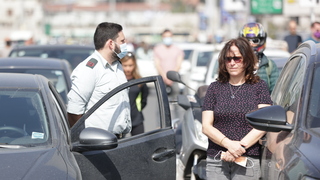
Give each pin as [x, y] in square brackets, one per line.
[11, 131]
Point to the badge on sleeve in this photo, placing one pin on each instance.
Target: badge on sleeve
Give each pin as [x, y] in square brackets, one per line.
[91, 63]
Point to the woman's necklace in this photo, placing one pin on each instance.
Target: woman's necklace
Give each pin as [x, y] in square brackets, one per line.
[233, 94]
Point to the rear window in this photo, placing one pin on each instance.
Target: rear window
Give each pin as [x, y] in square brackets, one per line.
[74, 56]
[187, 53]
[57, 77]
[204, 58]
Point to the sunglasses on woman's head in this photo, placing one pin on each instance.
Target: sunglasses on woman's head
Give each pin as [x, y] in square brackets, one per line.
[130, 54]
[235, 59]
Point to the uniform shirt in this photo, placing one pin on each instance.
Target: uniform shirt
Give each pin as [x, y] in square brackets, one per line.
[229, 113]
[91, 80]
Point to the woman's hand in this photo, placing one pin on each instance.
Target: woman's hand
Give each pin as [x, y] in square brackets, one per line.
[227, 156]
[235, 148]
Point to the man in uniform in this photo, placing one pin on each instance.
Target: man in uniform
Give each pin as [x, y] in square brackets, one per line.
[97, 75]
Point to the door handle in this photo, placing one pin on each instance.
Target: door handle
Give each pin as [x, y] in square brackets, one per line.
[163, 154]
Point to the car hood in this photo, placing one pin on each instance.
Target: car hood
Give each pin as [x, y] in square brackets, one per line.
[31, 163]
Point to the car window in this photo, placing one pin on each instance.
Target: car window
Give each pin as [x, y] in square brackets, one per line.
[150, 112]
[314, 103]
[289, 86]
[74, 56]
[23, 118]
[187, 53]
[215, 69]
[57, 77]
[204, 58]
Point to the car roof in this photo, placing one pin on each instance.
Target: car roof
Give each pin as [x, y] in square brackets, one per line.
[276, 53]
[186, 46]
[33, 62]
[17, 80]
[54, 46]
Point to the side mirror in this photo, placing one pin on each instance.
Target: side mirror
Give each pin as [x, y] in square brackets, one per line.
[95, 139]
[174, 76]
[271, 118]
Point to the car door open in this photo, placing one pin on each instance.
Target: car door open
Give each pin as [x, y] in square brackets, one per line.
[145, 156]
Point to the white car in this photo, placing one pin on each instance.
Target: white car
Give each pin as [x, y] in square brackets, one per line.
[200, 58]
[188, 49]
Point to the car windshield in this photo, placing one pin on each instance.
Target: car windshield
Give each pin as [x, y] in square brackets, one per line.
[187, 53]
[204, 58]
[74, 56]
[57, 77]
[314, 103]
[23, 119]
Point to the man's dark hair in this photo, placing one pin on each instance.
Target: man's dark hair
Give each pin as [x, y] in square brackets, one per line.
[314, 23]
[165, 31]
[104, 32]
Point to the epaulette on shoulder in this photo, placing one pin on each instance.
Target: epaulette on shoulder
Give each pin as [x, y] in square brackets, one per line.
[92, 63]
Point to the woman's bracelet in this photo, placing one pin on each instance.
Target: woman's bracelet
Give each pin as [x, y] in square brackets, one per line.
[222, 140]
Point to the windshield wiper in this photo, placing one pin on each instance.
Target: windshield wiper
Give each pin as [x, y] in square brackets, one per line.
[11, 146]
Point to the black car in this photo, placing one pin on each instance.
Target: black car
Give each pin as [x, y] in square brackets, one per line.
[58, 71]
[72, 53]
[293, 121]
[37, 143]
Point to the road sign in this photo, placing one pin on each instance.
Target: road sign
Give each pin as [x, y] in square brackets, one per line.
[258, 7]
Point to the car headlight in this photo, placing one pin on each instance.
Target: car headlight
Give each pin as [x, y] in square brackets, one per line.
[202, 137]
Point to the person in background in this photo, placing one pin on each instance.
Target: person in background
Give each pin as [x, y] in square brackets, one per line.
[293, 39]
[138, 94]
[7, 48]
[315, 32]
[266, 68]
[144, 52]
[236, 92]
[97, 75]
[168, 57]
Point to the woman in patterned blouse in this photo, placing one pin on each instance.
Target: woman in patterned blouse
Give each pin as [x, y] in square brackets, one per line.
[236, 92]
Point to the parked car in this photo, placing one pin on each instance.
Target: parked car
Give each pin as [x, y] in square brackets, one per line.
[58, 71]
[201, 56]
[72, 53]
[293, 121]
[37, 143]
[188, 50]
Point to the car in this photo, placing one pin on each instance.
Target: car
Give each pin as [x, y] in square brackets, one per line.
[72, 53]
[292, 122]
[36, 141]
[58, 71]
[201, 56]
[185, 71]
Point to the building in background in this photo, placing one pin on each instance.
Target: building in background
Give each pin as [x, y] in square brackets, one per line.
[73, 21]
